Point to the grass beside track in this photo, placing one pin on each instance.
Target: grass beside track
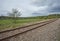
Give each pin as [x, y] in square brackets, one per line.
[9, 23]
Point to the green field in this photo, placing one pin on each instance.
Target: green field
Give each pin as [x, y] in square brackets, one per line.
[9, 23]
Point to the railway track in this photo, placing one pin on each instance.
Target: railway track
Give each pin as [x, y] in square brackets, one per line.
[14, 32]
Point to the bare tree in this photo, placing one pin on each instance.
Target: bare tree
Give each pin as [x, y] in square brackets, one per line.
[14, 14]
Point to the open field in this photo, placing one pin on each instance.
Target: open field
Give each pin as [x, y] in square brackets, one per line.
[9, 23]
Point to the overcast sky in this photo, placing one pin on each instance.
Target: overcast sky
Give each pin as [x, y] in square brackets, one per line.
[30, 7]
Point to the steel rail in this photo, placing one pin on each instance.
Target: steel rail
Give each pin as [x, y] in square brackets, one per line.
[44, 23]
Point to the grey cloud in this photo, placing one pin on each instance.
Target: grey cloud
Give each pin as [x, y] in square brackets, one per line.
[37, 7]
[53, 6]
[55, 9]
[45, 2]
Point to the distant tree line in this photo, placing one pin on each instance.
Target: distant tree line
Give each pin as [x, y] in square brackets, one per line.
[38, 17]
[15, 13]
